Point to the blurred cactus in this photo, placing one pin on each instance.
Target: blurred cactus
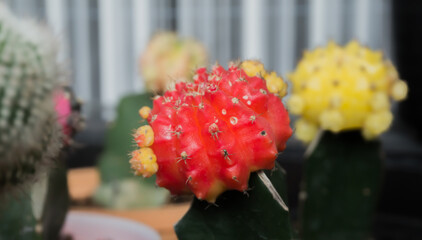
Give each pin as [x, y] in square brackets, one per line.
[29, 134]
[168, 58]
[339, 91]
[37, 117]
[344, 88]
[119, 189]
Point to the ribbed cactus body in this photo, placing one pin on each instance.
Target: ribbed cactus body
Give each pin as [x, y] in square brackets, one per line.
[29, 134]
[340, 188]
[211, 134]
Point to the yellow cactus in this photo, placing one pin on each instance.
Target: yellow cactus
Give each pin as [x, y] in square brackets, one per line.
[275, 84]
[144, 162]
[169, 58]
[344, 88]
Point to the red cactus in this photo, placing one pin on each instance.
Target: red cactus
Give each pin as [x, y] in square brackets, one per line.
[209, 135]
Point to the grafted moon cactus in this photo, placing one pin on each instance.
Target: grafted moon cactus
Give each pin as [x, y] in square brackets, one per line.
[29, 133]
[169, 57]
[208, 136]
[344, 88]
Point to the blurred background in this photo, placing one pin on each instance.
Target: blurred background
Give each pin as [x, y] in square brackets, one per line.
[103, 40]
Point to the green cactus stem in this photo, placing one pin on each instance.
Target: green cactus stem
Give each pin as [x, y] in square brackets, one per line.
[40, 215]
[55, 202]
[340, 187]
[119, 189]
[254, 214]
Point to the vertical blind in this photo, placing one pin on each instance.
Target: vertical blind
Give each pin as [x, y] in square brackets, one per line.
[102, 39]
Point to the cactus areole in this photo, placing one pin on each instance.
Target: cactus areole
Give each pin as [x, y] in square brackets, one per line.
[207, 137]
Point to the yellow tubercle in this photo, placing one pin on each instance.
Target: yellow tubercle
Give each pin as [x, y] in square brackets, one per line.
[144, 112]
[331, 120]
[377, 123]
[305, 130]
[275, 83]
[380, 102]
[144, 162]
[144, 136]
[253, 68]
[295, 104]
[399, 90]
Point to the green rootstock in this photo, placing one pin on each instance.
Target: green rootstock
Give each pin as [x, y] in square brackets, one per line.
[18, 220]
[237, 215]
[119, 188]
[340, 188]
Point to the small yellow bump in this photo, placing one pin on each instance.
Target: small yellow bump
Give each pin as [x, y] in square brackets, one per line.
[377, 123]
[275, 84]
[380, 101]
[144, 112]
[144, 162]
[305, 131]
[144, 136]
[295, 104]
[253, 68]
[331, 120]
[335, 101]
[399, 90]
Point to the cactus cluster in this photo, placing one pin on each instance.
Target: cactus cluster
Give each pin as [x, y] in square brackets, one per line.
[344, 88]
[29, 133]
[208, 136]
[168, 58]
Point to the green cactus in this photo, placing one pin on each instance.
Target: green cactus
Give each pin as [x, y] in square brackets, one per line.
[342, 181]
[236, 215]
[29, 135]
[38, 211]
[119, 188]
